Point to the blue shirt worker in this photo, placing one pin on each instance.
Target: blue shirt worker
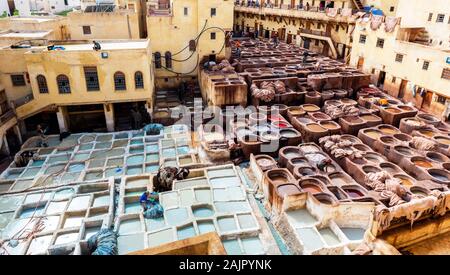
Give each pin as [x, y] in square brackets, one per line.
[143, 200]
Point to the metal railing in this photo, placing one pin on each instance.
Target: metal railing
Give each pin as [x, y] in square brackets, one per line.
[6, 117]
[163, 9]
[253, 4]
[23, 100]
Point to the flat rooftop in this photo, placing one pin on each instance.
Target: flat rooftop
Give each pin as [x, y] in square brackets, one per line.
[108, 45]
[40, 19]
[38, 34]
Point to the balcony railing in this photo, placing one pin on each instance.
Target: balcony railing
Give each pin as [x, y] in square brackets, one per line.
[158, 9]
[6, 117]
[253, 4]
[23, 100]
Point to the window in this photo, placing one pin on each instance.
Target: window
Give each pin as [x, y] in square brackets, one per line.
[425, 65]
[185, 11]
[119, 81]
[213, 12]
[18, 80]
[391, 9]
[168, 58]
[362, 39]
[66, 2]
[399, 58]
[213, 36]
[337, 28]
[446, 74]
[316, 42]
[380, 43]
[440, 99]
[440, 18]
[158, 60]
[394, 79]
[91, 77]
[373, 70]
[42, 84]
[138, 80]
[430, 16]
[86, 29]
[63, 84]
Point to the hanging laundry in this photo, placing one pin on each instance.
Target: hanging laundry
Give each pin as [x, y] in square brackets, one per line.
[376, 21]
[390, 23]
[332, 12]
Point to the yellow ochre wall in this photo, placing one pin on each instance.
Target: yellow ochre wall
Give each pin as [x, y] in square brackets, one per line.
[173, 33]
[123, 24]
[71, 63]
[58, 24]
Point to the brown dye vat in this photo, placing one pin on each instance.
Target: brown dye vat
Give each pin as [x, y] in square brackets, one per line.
[429, 119]
[404, 180]
[278, 178]
[388, 130]
[387, 140]
[402, 137]
[389, 167]
[370, 117]
[353, 193]
[322, 179]
[406, 151]
[426, 133]
[406, 108]
[374, 134]
[283, 191]
[362, 147]
[338, 179]
[370, 169]
[319, 116]
[373, 157]
[310, 107]
[349, 101]
[442, 140]
[325, 198]
[314, 127]
[393, 110]
[330, 125]
[287, 153]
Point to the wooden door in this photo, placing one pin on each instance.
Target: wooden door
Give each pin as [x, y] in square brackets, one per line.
[360, 63]
[289, 38]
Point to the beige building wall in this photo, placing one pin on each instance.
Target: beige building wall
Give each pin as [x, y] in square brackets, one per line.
[12, 62]
[402, 76]
[172, 32]
[296, 22]
[57, 24]
[71, 63]
[120, 24]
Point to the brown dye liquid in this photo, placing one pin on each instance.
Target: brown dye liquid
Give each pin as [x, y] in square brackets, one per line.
[393, 110]
[388, 130]
[316, 128]
[311, 189]
[278, 179]
[373, 134]
[296, 112]
[427, 133]
[354, 193]
[443, 140]
[310, 108]
[422, 163]
[328, 125]
[368, 117]
[405, 181]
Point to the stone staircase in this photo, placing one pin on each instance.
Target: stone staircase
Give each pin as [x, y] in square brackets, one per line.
[358, 4]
